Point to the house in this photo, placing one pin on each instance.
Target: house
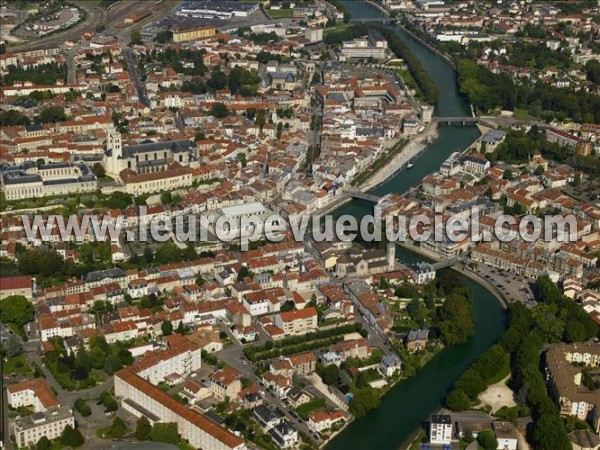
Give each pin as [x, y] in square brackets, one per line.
[424, 273]
[506, 434]
[389, 365]
[440, 429]
[584, 440]
[226, 382]
[416, 340]
[266, 417]
[352, 348]
[330, 357]
[320, 421]
[297, 396]
[284, 435]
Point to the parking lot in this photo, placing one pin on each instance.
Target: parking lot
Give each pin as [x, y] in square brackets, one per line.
[512, 286]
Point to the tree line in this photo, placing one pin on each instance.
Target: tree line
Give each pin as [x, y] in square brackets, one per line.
[555, 319]
[487, 91]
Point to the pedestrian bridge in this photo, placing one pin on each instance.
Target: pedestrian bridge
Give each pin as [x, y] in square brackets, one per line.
[464, 120]
[445, 263]
[384, 20]
[363, 196]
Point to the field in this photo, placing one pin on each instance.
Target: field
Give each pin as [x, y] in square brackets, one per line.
[279, 13]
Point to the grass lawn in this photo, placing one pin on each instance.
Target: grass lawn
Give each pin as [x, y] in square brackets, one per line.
[305, 409]
[183, 445]
[521, 114]
[338, 27]
[279, 13]
[17, 365]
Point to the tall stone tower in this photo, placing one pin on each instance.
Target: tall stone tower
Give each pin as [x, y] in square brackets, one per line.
[391, 255]
[114, 153]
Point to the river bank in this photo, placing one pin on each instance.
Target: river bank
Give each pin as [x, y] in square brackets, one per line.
[463, 271]
[412, 150]
[410, 402]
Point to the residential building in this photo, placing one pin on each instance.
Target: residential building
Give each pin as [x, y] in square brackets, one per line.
[440, 429]
[20, 285]
[297, 322]
[191, 34]
[226, 382]
[51, 423]
[566, 386]
[390, 364]
[284, 435]
[320, 421]
[507, 435]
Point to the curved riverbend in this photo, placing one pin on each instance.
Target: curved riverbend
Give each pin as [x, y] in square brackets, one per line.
[409, 403]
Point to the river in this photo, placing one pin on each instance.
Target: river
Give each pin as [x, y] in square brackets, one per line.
[408, 404]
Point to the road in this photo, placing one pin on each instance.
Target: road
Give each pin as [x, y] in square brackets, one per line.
[96, 16]
[232, 355]
[136, 77]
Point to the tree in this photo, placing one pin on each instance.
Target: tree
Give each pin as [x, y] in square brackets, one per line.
[13, 117]
[17, 310]
[51, 114]
[260, 118]
[508, 175]
[457, 318]
[83, 408]
[241, 159]
[166, 198]
[219, 110]
[217, 80]
[99, 170]
[471, 383]
[117, 429]
[110, 403]
[487, 440]
[457, 400]
[13, 346]
[136, 37]
[167, 253]
[112, 364]
[163, 37]
[43, 444]
[41, 262]
[165, 432]
[143, 429]
[167, 328]
[575, 331]
[330, 375]
[181, 328]
[71, 437]
[364, 400]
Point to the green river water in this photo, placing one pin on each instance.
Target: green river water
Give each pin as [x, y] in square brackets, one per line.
[408, 404]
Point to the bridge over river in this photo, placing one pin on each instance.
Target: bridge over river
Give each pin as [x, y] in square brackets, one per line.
[383, 20]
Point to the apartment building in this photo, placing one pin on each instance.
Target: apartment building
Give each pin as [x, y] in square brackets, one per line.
[566, 385]
[49, 419]
[440, 429]
[297, 322]
[50, 424]
[191, 34]
[180, 361]
[226, 382]
[141, 397]
[20, 285]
